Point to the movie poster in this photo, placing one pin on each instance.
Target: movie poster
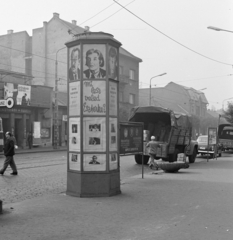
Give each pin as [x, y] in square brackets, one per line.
[94, 134]
[74, 63]
[21, 94]
[113, 161]
[74, 134]
[24, 95]
[94, 162]
[94, 62]
[112, 98]
[94, 97]
[74, 161]
[74, 98]
[112, 63]
[113, 134]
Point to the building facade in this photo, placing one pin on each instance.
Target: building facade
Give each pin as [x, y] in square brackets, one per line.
[41, 59]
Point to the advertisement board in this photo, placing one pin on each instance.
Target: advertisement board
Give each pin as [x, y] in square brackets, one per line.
[131, 138]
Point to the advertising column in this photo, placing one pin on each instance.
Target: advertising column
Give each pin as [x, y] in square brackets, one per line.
[93, 157]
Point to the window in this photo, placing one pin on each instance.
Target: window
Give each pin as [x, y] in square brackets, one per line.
[131, 74]
[132, 98]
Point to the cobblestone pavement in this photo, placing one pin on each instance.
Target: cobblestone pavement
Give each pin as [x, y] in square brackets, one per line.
[39, 173]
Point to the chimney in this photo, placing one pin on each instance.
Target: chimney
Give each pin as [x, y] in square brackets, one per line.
[56, 15]
[74, 22]
[87, 29]
[10, 31]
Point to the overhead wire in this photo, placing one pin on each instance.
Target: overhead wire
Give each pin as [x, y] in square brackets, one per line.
[200, 54]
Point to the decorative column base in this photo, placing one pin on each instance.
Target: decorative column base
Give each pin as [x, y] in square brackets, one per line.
[93, 184]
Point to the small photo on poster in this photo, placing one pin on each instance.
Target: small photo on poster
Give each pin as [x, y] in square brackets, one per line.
[94, 141]
[74, 161]
[113, 161]
[94, 134]
[95, 127]
[94, 162]
[74, 128]
[74, 134]
[112, 62]
[113, 134]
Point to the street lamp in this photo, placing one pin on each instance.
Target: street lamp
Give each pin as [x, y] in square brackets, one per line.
[218, 29]
[202, 89]
[150, 83]
[55, 117]
[225, 100]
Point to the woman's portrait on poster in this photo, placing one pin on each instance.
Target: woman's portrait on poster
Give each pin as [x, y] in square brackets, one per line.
[95, 63]
[112, 63]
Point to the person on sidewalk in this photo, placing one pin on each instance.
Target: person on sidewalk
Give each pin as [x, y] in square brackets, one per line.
[152, 145]
[29, 139]
[9, 152]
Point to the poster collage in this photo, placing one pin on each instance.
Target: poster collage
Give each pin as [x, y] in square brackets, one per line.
[94, 99]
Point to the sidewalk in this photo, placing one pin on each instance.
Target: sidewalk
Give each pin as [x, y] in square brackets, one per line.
[38, 149]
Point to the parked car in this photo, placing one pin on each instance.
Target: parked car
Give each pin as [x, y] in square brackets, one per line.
[212, 150]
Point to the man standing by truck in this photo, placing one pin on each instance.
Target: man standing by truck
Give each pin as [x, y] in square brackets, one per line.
[152, 145]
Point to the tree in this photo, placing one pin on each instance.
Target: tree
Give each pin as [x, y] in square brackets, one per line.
[228, 114]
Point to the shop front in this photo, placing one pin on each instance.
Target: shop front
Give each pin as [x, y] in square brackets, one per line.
[30, 104]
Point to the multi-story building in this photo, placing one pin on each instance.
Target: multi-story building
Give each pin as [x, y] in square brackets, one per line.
[41, 59]
[177, 98]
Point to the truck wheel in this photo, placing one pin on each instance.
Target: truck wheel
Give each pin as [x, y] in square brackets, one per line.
[138, 159]
[192, 157]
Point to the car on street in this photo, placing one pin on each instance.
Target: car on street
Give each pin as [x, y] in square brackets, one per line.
[212, 149]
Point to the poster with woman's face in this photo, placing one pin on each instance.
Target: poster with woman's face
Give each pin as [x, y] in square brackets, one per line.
[94, 62]
[113, 143]
[74, 161]
[74, 134]
[94, 162]
[94, 134]
[74, 63]
[112, 63]
[113, 161]
[94, 97]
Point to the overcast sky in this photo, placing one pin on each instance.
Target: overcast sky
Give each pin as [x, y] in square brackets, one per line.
[168, 35]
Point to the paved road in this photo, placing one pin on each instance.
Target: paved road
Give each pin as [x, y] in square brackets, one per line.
[43, 173]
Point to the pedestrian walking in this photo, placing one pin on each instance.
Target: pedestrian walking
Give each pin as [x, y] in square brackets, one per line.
[29, 139]
[9, 152]
[152, 145]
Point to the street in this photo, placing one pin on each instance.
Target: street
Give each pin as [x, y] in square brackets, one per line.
[195, 203]
[45, 172]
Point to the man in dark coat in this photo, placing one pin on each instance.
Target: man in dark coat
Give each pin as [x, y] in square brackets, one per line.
[9, 152]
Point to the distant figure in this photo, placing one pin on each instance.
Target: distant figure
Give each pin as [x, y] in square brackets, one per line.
[9, 152]
[152, 145]
[24, 100]
[29, 139]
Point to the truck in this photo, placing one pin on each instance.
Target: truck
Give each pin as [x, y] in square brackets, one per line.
[225, 136]
[172, 130]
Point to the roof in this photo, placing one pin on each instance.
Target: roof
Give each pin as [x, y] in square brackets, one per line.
[128, 54]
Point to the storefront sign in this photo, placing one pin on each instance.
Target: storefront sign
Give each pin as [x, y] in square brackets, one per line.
[9, 103]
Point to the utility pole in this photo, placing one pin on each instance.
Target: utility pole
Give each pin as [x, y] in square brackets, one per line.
[55, 114]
